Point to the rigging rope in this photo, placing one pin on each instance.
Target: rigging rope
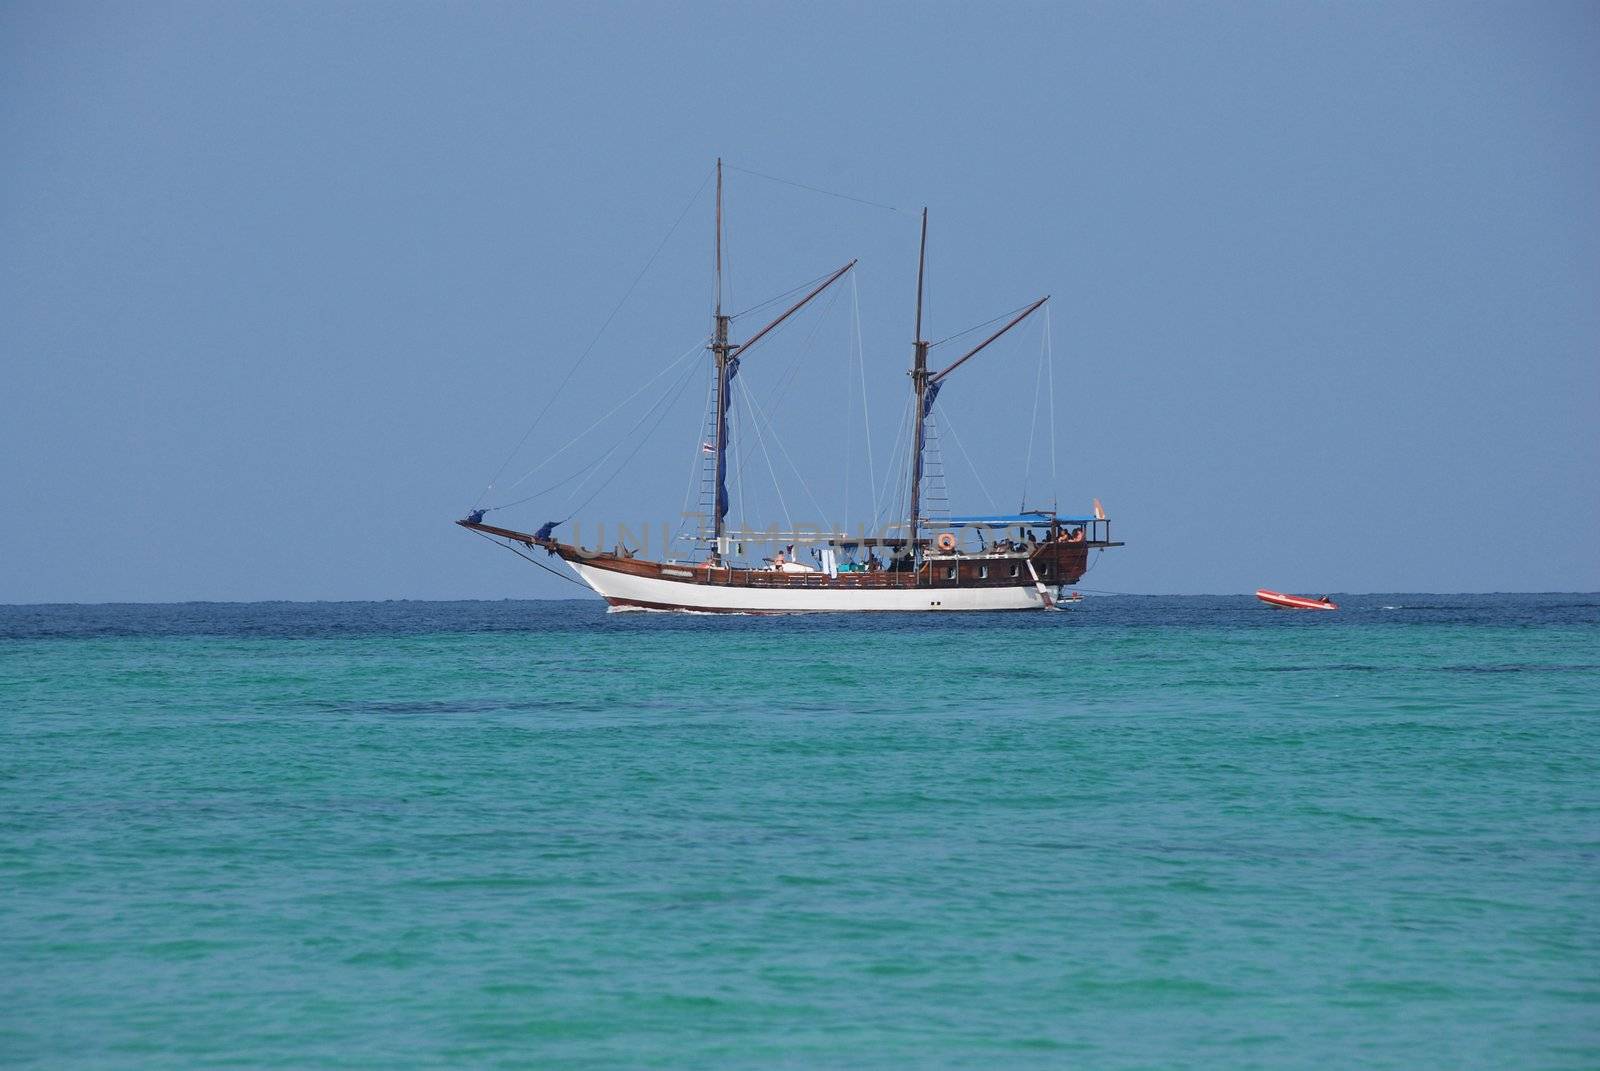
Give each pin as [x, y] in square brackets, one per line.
[559, 483]
[1050, 366]
[529, 558]
[944, 420]
[739, 460]
[744, 396]
[697, 460]
[976, 327]
[866, 420]
[787, 377]
[779, 297]
[822, 514]
[898, 503]
[849, 377]
[608, 414]
[593, 341]
[669, 398]
[817, 189]
[1033, 426]
[727, 256]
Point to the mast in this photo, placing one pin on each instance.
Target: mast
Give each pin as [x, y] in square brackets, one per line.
[923, 399]
[719, 351]
[719, 238]
[925, 386]
[727, 356]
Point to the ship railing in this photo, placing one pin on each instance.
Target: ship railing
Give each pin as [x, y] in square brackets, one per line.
[1096, 531]
[775, 579]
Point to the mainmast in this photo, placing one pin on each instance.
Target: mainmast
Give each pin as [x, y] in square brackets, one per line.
[924, 401]
[925, 386]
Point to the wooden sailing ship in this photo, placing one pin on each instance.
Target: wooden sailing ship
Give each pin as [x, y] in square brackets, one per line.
[1022, 561]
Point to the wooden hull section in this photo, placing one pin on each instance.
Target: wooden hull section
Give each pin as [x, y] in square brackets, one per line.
[1018, 580]
[942, 584]
[636, 590]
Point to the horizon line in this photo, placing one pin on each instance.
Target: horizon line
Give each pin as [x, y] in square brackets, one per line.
[596, 599]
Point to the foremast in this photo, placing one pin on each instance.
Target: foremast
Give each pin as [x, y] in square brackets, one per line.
[727, 355]
[726, 366]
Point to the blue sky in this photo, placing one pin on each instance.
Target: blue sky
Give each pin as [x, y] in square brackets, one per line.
[281, 285]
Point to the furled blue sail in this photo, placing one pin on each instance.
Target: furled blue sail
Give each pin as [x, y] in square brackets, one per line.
[928, 398]
[729, 369]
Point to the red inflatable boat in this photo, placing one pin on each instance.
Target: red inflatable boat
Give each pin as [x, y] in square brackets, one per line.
[1295, 602]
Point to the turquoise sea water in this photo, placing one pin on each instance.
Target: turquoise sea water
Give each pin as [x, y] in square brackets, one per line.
[1142, 833]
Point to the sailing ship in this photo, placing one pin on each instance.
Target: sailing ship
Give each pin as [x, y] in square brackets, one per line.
[1021, 561]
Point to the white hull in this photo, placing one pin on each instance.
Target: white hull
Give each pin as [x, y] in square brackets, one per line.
[627, 590]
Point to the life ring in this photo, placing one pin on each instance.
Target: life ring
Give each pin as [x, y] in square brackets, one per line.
[947, 541]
